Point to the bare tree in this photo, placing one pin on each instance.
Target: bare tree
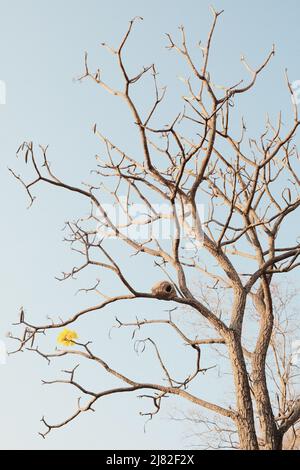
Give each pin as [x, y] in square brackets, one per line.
[251, 188]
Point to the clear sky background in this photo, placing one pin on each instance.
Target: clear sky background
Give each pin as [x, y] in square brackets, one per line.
[42, 44]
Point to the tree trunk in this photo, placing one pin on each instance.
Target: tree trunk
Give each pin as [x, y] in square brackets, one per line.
[245, 421]
[269, 431]
[270, 434]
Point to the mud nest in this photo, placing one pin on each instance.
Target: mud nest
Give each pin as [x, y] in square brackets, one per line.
[164, 290]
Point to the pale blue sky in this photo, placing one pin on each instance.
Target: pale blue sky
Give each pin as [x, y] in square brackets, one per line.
[41, 52]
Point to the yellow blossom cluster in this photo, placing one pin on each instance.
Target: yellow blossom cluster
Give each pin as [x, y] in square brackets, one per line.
[67, 337]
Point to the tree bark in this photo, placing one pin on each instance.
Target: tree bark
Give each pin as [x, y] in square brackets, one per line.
[245, 421]
[269, 431]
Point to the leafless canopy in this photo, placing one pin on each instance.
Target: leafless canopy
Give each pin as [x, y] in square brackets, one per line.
[250, 186]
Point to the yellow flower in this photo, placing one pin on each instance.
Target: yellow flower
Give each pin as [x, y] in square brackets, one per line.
[66, 337]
